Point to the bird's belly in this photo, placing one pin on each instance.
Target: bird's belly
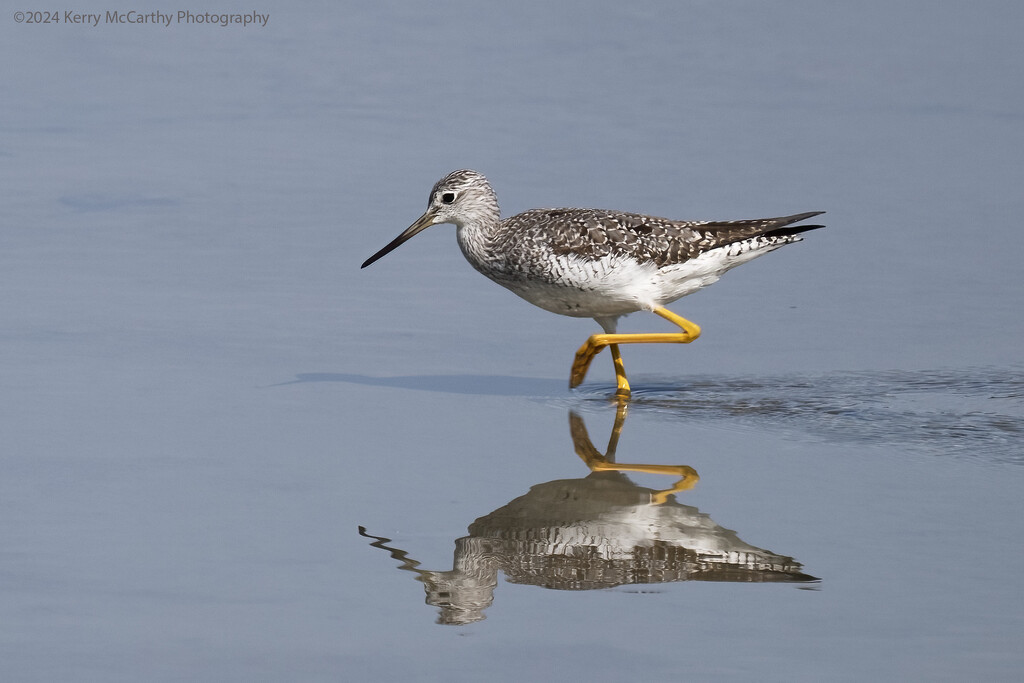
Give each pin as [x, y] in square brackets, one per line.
[581, 288]
[613, 286]
[574, 302]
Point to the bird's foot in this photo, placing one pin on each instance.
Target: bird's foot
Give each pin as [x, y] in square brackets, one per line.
[581, 363]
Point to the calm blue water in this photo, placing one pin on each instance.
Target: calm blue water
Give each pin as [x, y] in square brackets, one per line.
[204, 399]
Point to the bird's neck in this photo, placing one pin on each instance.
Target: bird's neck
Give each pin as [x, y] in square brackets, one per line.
[478, 231]
[477, 241]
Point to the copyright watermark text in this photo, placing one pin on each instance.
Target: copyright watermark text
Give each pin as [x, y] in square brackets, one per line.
[134, 17]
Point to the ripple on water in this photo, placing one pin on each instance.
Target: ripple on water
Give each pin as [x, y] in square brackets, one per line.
[971, 412]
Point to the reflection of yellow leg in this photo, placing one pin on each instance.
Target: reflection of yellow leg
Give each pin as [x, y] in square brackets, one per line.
[688, 476]
[597, 462]
[596, 342]
[684, 484]
[585, 447]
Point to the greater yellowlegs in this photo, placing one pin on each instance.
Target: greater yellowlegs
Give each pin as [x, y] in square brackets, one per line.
[590, 263]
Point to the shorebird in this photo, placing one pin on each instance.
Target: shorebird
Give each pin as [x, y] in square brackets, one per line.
[592, 263]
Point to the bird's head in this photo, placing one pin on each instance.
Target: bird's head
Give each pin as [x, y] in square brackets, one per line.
[461, 197]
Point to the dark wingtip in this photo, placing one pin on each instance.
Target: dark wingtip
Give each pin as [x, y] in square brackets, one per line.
[792, 230]
[788, 228]
[796, 218]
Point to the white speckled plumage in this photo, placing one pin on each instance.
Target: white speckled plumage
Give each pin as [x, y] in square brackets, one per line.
[593, 263]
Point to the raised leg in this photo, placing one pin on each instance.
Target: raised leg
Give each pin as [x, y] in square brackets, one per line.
[596, 342]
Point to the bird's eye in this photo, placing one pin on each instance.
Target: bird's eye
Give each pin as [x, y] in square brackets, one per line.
[447, 197]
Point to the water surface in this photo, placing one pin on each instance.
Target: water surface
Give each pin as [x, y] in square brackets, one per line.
[205, 399]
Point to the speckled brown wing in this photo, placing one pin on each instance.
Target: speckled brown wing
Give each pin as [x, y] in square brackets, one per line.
[595, 233]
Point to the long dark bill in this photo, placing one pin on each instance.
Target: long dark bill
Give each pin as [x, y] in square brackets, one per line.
[421, 224]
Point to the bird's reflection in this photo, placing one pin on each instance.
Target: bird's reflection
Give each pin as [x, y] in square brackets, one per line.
[596, 532]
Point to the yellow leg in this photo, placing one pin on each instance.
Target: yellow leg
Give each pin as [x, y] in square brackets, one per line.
[620, 372]
[596, 342]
